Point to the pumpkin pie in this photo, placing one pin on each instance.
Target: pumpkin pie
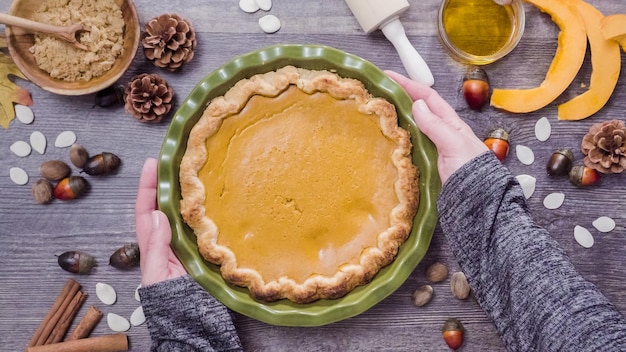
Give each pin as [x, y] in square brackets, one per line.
[299, 184]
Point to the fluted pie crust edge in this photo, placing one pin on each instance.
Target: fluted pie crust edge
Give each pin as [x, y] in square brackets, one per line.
[315, 287]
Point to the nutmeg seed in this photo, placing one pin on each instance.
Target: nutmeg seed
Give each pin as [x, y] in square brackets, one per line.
[54, 170]
[78, 155]
[437, 272]
[459, 285]
[42, 191]
[422, 295]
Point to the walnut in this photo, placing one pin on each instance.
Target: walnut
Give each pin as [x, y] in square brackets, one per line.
[148, 97]
[604, 147]
[169, 41]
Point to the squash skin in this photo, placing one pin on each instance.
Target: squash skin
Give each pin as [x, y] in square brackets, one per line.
[569, 57]
[606, 63]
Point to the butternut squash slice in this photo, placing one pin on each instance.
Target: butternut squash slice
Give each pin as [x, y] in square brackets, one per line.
[605, 62]
[614, 27]
[569, 57]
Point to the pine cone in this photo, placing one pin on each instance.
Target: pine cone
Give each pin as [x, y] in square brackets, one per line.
[169, 41]
[148, 97]
[605, 147]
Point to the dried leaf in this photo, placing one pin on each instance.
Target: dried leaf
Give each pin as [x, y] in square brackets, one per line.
[10, 92]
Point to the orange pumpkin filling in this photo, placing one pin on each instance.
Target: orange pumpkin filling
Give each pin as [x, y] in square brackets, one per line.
[293, 189]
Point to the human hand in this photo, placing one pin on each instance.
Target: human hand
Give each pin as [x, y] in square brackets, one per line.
[157, 260]
[455, 141]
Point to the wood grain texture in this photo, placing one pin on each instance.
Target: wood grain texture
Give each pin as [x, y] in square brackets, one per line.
[31, 235]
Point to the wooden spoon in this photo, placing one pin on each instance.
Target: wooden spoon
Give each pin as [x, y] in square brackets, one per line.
[68, 34]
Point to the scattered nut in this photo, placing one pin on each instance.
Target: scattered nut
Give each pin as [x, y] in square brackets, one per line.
[437, 272]
[459, 286]
[422, 295]
[125, 257]
[42, 191]
[54, 170]
[453, 332]
[76, 262]
[70, 188]
[102, 164]
[78, 155]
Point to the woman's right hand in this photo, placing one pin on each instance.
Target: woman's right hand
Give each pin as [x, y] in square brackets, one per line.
[455, 141]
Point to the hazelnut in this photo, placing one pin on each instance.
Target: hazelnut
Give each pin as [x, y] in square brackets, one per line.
[54, 170]
[422, 295]
[42, 191]
[437, 272]
[459, 285]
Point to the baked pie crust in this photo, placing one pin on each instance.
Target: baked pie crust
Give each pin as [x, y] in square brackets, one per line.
[299, 184]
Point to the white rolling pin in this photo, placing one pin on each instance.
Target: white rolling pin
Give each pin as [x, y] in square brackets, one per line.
[384, 15]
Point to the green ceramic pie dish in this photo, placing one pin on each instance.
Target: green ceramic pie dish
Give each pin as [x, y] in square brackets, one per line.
[284, 312]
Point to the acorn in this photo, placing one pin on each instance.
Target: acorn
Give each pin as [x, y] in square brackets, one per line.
[78, 155]
[110, 96]
[70, 188]
[498, 142]
[560, 162]
[476, 87]
[125, 257]
[54, 170]
[583, 176]
[76, 262]
[102, 164]
[453, 333]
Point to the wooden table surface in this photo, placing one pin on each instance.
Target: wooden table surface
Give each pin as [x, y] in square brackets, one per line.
[31, 235]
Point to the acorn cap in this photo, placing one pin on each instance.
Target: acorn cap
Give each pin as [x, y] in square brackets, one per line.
[498, 133]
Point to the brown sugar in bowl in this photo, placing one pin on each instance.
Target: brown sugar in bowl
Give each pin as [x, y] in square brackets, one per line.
[19, 42]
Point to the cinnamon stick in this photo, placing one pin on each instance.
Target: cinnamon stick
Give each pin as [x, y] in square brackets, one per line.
[106, 343]
[60, 329]
[54, 314]
[86, 324]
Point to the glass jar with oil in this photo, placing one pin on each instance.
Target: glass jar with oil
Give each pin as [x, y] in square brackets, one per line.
[480, 32]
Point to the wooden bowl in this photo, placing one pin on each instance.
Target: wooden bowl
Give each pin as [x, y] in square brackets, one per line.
[19, 43]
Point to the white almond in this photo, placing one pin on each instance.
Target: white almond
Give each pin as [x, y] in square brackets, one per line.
[583, 236]
[553, 200]
[117, 323]
[106, 293]
[65, 139]
[269, 24]
[18, 176]
[20, 148]
[543, 129]
[137, 318]
[604, 224]
[24, 114]
[528, 184]
[137, 298]
[38, 142]
[524, 154]
[249, 6]
[265, 5]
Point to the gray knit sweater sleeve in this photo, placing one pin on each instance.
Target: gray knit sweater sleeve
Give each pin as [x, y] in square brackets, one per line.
[519, 274]
[182, 316]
